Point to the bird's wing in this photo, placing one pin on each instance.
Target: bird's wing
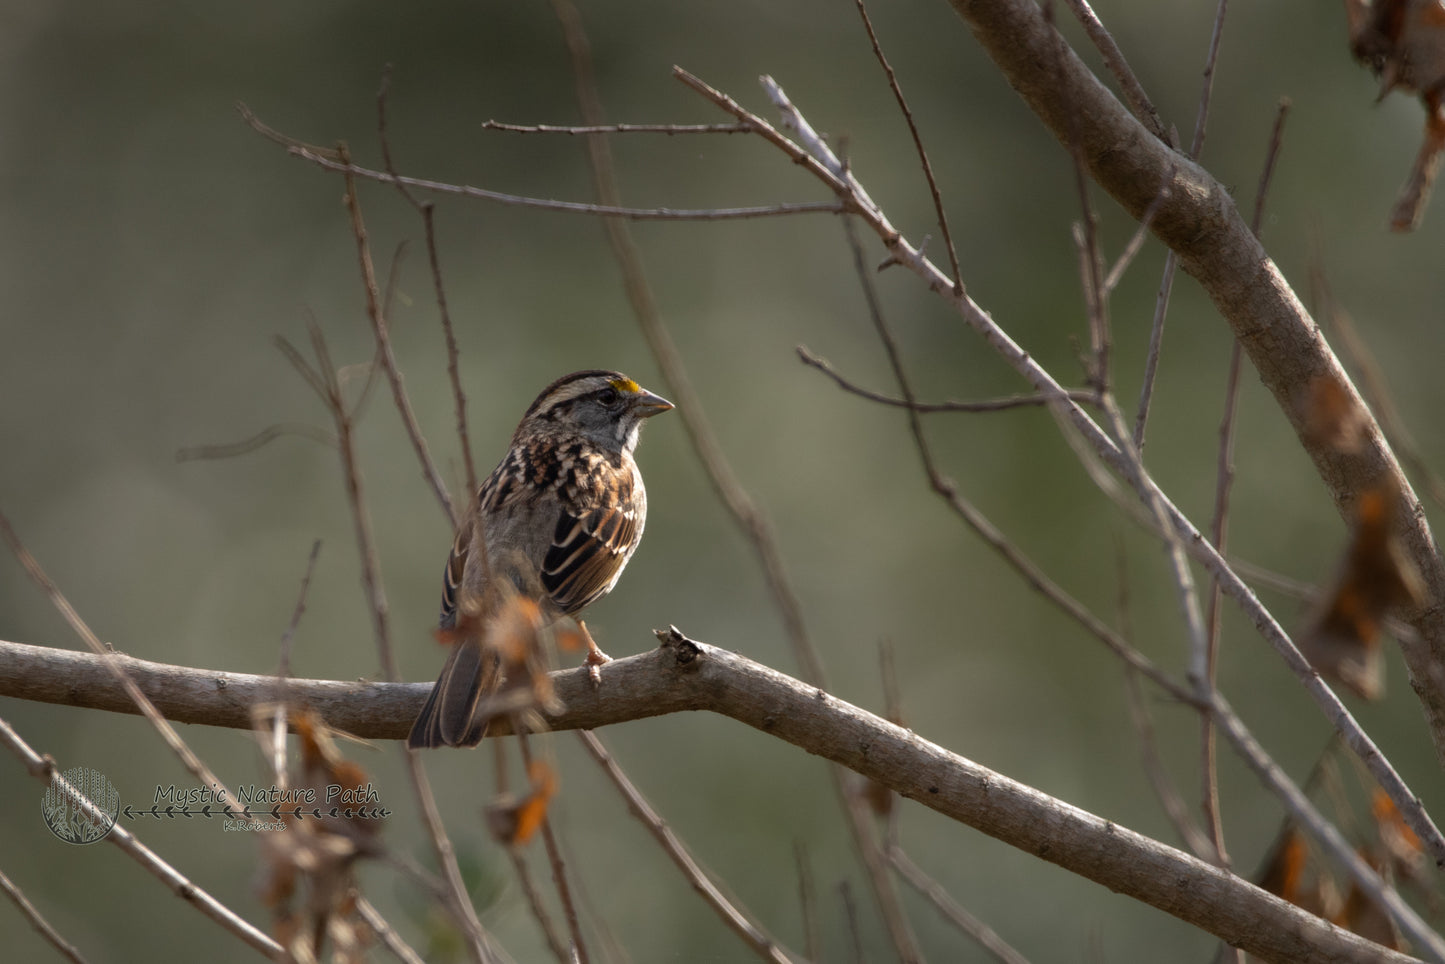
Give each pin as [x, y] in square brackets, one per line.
[591, 546]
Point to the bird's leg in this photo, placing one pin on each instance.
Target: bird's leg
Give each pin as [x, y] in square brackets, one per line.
[595, 656]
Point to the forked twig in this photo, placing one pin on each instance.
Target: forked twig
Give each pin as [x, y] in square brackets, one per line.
[982, 405]
[917, 144]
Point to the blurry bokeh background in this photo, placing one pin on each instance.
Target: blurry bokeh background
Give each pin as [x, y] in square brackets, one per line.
[152, 247]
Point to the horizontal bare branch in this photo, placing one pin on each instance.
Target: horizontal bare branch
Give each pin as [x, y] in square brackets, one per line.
[330, 161]
[493, 125]
[686, 675]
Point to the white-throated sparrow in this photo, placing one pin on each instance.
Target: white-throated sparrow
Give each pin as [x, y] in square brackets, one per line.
[560, 516]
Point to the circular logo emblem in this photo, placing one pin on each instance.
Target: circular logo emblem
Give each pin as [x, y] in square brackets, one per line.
[80, 805]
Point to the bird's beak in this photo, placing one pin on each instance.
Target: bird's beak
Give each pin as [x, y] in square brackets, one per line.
[646, 404]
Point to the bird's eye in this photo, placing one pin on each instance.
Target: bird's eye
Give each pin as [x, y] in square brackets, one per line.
[609, 397]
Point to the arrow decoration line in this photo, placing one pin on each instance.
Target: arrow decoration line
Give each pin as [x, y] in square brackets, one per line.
[246, 813]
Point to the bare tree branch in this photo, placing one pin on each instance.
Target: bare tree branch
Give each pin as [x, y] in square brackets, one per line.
[327, 160]
[1202, 225]
[686, 675]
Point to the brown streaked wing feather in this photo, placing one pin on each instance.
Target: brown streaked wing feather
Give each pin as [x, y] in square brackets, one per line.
[452, 575]
[587, 554]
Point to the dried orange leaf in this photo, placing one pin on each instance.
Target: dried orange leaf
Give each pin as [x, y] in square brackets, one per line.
[1403, 42]
[1342, 640]
[1284, 874]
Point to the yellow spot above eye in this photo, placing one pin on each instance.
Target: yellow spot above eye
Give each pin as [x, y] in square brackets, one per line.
[625, 385]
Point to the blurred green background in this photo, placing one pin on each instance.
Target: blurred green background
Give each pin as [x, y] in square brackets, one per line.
[152, 246]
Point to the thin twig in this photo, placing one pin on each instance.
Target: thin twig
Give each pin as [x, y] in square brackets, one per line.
[1086, 240]
[850, 914]
[917, 144]
[1171, 261]
[1129, 86]
[742, 923]
[559, 869]
[389, 937]
[1169, 798]
[1207, 87]
[37, 920]
[279, 722]
[807, 903]
[326, 160]
[375, 312]
[1156, 344]
[808, 358]
[1219, 526]
[956, 914]
[1194, 838]
[44, 769]
[533, 897]
[1136, 243]
[427, 210]
[493, 125]
[283, 668]
[191, 453]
